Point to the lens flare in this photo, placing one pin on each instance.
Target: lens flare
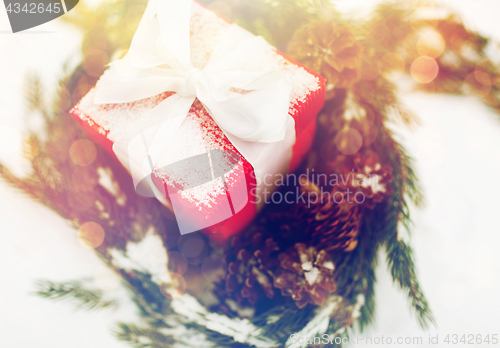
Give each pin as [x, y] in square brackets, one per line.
[177, 262]
[348, 141]
[483, 77]
[424, 69]
[91, 234]
[430, 43]
[83, 152]
[192, 247]
[178, 282]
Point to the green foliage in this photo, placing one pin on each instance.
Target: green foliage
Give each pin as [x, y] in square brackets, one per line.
[107, 32]
[291, 319]
[400, 260]
[76, 292]
[140, 337]
[275, 20]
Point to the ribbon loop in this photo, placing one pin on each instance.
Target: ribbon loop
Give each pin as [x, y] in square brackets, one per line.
[250, 107]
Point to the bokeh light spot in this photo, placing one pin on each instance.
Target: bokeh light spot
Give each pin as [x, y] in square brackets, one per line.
[178, 282]
[177, 262]
[430, 43]
[193, 247]
[424, 69]
[91, 234]
[165, 290]
[83, 152]
[482, 77]
[348, 141]
[472, 85]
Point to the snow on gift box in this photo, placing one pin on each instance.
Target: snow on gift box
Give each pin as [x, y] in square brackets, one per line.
[200, 100]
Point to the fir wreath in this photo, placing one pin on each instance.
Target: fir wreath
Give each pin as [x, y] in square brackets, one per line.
[304, 270]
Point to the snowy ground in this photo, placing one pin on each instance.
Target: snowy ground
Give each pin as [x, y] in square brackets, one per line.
[455, 236]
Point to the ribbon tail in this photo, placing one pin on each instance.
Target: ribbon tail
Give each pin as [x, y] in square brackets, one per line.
[168, 21]
[143, 51]
[267, 159]
[124, 83]
[147, 148]
[174, 17]
[178, 108]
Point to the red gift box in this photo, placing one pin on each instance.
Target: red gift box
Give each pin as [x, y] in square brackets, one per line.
[207, 205]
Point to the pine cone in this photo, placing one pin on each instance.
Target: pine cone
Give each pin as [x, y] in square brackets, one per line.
[329, 49]
[334, 221]
[365, 173]
[305, 274]
[249, 268]
[456, 35]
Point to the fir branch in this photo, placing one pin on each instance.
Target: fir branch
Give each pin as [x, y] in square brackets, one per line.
[33, 93]
[278, 20]
[400, 260]
[74, 290]
[140, 337]
[389, 26]
[147, 295]
[289, 320]
[399, 255]
[366, 271]
[275, 20]
[30, 185]
[211, 338]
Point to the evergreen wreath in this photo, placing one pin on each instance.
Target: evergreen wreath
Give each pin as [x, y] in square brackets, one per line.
[304, 269]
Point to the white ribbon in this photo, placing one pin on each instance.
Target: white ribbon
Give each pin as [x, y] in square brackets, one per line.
[250, 107]
[159, 61]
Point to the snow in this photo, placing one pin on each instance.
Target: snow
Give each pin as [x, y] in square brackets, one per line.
[307, 266]
[329, 265]
[125, 121]
[455, 235]
[318, 324]
[148, 255]
[242, 330]
[372, 181]
[312, 275]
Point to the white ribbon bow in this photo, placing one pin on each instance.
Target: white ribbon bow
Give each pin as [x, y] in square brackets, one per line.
[250, 107]
[247, 106]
